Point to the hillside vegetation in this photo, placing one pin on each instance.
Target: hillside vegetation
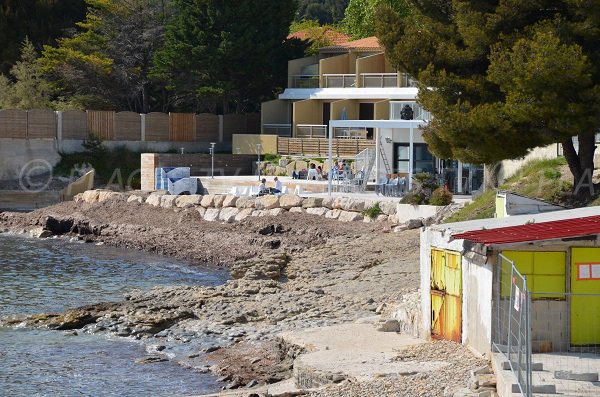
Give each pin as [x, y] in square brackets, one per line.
[548, 180]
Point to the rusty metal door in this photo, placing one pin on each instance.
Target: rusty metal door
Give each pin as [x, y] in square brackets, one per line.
[446, 295]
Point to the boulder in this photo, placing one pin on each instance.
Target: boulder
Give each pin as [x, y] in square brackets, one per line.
[218, 200]
[381, 218]
[288, 201]
[187, 201]
[320, 211]
[339, 202]
[207, 201]
[105, 195]
[298, 210]
[201, 211]
[388, 207]
[135, 198]
[414, 223]
[259, 213]
[312, 202]
[154, 200]
[328, 202]
[289, 169]
[230, 200]
[301, 165]
[276, 211]
[58, 226]
[389, 326]
[40, 232]
[245, 202]
[211, 214]
[90, 196]
[350, 216]
[333, 214]
[168, 201]
[267, 202]
[243, 214]
[353, 205]
[228, 214]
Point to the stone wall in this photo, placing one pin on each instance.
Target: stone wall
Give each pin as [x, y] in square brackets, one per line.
[230, 208]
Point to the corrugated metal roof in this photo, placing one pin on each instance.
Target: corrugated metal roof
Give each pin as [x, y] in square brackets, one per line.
[566, 228]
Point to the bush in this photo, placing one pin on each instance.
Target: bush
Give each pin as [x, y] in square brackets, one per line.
[440, 196]
[373, 211]
[423, 186]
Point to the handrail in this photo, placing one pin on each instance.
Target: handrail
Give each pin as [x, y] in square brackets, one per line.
[311, 130]
[281, 129]
[339, 80]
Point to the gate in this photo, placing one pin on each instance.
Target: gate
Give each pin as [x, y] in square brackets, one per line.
[446, 295]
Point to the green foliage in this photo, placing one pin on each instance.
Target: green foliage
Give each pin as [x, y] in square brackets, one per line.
[226, 55]
[30, 89]
[360, 15]
[441, 197]
[373, 211]
[318, 36]
[42, 21]
[537, 179]
[323, 11]
[424, 184]
[509, 76]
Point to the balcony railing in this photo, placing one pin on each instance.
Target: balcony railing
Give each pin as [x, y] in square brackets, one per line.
[349, 133]
[311, 131]
[340, 80]
[406, 80]
[277, 129]
[418, 112]
[379, 80]
[305, 81]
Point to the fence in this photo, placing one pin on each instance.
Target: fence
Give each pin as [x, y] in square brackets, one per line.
[551, 340]
[320, 146]
[125, 126]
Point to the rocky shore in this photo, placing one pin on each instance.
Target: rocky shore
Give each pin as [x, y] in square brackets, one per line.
[289, 272]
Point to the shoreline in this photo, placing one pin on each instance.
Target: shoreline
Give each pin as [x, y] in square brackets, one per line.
[320, 273]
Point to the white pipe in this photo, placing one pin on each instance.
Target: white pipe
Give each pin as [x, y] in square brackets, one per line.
[330, 173]
[410, 157]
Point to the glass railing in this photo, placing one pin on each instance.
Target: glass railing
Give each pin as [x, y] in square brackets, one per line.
[418, 113]
[305, 81]
[350, 133]
[379, 80]
[406, 80]
[340, 80]
[277, 129]
[311, 131]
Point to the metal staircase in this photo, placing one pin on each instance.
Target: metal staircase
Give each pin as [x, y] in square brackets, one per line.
[386, 163]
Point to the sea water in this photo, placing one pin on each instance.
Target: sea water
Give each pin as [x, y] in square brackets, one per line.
[38, 276]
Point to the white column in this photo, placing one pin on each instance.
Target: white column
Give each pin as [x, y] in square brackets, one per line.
[377, 140]
[459, 187]
[143, 127]
[329, 160]
[410, 157]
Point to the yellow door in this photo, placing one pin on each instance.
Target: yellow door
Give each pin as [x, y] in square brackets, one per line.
[446, 295]
[585, 309]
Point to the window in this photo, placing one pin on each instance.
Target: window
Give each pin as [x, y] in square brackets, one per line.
[588, 271]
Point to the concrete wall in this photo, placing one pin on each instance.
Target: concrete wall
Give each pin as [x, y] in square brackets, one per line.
[276, 111]
[369, 64]
[395, 135]
[510, 167]
[38, 155]
[406, 212]
[295, 67]
[335, 65]
[382, 110]
[338, 107]
[246, 144]
[308, 111]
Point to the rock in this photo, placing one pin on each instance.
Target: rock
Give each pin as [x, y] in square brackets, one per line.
[338, 203]
[400, 228]
[134, 198]
[201, 211]
[211, 349]
[272, 244]
[218, 200]
[276, 211]
[388, 207]
[187, 201]
[320, 211]
[208, 200]
[267, 202]
[299, 210]
[333, 214]
[40, 232]
[211, 214]
[230, 200]
[105, 195]
[382, 218]
[228, 214]
[312, 202]
[90, 196]
[245, 202]
[270, 230]
[151, 360]
[328, 202]
[243, 214]
[168, 201]
[353, 205]
[252, 383]
[57, 226]
[348, 216]
[414, 223]
[259, 213]
[154, 200]
[390, 326]
[288, 201]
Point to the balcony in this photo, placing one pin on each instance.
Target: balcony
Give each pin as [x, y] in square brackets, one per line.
[311, 131]
[349, 133]
[340, 80]
[379, 80]
[305, 81]
[406, 80]
[418, 112]
[277, 129]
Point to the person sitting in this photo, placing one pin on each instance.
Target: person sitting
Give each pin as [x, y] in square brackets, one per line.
[262, 187]
[320, 173]
[312, 172]
[295, 175]
[278, 186]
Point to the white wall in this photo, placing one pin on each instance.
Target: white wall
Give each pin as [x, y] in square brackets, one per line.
[396, 135]
[510, 167]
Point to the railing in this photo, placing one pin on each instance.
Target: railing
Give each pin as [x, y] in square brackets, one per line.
[305, 81]
[340, 80]
[349, 133]
[320, 146]
[311, 131]
[277, 129]
[379, 80]
[406, 80]
[418, 112]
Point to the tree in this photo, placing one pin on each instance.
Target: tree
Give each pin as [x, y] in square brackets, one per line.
[42, 21]
[501, 78]
[30, 89]
[107, 63]
[360, 15]
[317, 36]
[225, 54]
[323, 11]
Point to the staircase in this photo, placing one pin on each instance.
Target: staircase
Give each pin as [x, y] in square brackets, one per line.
[386, 163]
